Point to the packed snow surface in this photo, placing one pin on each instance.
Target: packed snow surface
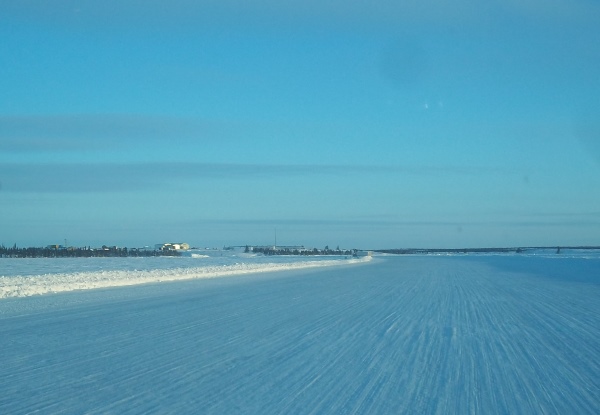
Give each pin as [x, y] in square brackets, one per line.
[396, 335]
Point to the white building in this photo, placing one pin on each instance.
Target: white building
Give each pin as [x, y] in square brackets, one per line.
[179, 246]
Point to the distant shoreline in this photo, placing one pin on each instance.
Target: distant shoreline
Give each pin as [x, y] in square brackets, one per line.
[113, 251]
[516, 250]
[85, 252]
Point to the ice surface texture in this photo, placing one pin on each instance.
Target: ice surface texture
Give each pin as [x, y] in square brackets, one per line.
[400, 335]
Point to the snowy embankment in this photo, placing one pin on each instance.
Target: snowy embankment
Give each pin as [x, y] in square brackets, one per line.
[28, 285]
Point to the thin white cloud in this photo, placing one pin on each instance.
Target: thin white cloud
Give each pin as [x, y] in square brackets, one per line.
[74, 132]
[382, 13]
[118, 177]
[555, 9]
[476, 222]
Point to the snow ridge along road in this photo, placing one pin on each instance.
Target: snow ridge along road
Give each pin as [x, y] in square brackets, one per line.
[28, 285]
[400, 335]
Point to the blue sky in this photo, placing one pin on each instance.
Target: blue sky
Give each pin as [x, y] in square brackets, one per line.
[373, 125]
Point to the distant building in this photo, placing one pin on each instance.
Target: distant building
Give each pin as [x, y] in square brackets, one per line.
[179, 246]
[299, 248]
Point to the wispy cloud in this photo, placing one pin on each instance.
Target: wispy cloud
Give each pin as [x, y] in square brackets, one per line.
[552, 8]
[110, 177]
[479, 222]
[115, 177]
[59, 133]
[273, 12]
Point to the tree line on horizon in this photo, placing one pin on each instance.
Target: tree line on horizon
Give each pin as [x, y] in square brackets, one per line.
[295, 251]
[84, 252]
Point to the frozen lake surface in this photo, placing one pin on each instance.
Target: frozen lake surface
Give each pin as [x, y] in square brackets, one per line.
[413, 334]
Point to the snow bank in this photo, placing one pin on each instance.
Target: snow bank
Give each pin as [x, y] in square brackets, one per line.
[24, 286]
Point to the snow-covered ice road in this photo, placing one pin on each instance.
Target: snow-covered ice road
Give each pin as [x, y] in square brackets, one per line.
[413, 335]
